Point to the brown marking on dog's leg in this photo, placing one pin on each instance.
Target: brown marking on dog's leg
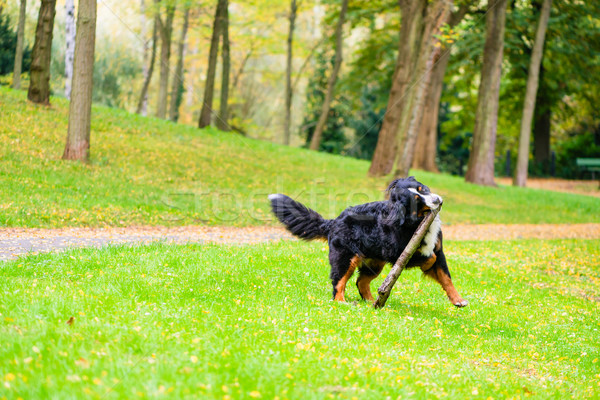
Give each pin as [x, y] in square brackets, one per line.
[426, 266]
[374, 268]
[340, 287]
[444, 280]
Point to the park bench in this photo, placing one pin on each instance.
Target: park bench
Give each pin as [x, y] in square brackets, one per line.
[589, 164]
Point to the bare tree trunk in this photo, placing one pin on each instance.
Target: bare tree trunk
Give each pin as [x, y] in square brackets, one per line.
[437, 14]
[166, 31]
[209, 86]
[387, 143]
[39, 86]
[481, 160]
[70, 45]
[426, 146]
[178, 78]
[288, 75]
[16, 83]
[145, 54]
[80, 108]
[143, 101]
[541, 130]
[316, 139]
[530, 95]
[226, 67]
[240, 70]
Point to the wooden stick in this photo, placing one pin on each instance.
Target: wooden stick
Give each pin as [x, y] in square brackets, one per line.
[386, 287]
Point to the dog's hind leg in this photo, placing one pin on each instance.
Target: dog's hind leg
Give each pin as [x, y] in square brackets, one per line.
[343, 265]
[436, 267]
[368, 271]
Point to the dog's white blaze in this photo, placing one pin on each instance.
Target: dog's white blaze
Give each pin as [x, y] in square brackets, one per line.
[274, 196]
[432, 200]
[428, 243]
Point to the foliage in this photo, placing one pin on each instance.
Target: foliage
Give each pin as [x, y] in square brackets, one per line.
[257, 322]
[8, 44]
[572, 49]
[146, 171]
[115, 66]
[334, 138]
[582, 143]
[367, 124]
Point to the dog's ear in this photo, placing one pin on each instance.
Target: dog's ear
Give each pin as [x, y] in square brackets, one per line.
[392, 185]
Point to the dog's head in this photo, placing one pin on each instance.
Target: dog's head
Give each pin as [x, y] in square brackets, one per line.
[415, 197]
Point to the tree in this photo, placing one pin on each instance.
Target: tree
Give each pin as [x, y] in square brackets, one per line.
[178, 78]
[165, 30]
[39, 86]
[16, 83]
[226, 66]
[143, 101]
[209, 86]
[421, 21]
[385, 150]
[429, 50]
[288, 74]
[80, 107]
[70, 45]
[316, 139]
[480, 169]
[426, 144]
[530, 95]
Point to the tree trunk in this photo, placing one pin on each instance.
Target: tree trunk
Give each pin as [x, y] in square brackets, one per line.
[530, 95]
[481, 160]
[316, 139]
[143, 101]
[209, 85]
[226, 67]
[145, 55]
[16, 83]
[426, 146]
[166, 31]
[178, 78]
[288, 75]
[541, 129]
[437, 13]
[70, 45]
[80, 108]
[542, 122]
[410, 35]
[39, 85]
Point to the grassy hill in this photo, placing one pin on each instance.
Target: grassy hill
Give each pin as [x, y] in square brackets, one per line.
[150, 171]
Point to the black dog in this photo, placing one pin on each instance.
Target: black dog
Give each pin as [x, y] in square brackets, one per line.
[370, 235]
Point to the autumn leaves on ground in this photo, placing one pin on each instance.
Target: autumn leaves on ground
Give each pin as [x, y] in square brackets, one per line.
[256, 321]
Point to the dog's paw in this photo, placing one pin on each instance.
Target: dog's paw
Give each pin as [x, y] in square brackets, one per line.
[461, 303]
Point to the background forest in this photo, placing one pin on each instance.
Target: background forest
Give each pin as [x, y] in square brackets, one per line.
[161, 48]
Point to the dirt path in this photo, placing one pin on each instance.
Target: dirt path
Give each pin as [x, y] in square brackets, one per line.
[18, 241]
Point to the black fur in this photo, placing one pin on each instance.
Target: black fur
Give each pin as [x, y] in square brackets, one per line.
[369, 235]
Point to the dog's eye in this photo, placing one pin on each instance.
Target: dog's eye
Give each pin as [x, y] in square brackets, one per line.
[416, 196]
[420, 188]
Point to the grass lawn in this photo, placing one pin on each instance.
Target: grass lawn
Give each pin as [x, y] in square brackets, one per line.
[153, 172]
[256, 322]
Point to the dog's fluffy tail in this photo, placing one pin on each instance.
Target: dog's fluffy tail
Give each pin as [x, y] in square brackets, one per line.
[303, 222]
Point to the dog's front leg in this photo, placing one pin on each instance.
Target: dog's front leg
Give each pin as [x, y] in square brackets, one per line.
[436, 268]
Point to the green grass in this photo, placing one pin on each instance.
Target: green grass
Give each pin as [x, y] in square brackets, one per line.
[256, 322]
[149, 171]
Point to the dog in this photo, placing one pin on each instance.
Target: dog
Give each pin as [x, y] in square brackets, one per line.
[368, 236]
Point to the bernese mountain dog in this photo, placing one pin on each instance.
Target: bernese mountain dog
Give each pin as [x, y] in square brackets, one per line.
[368, 236]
